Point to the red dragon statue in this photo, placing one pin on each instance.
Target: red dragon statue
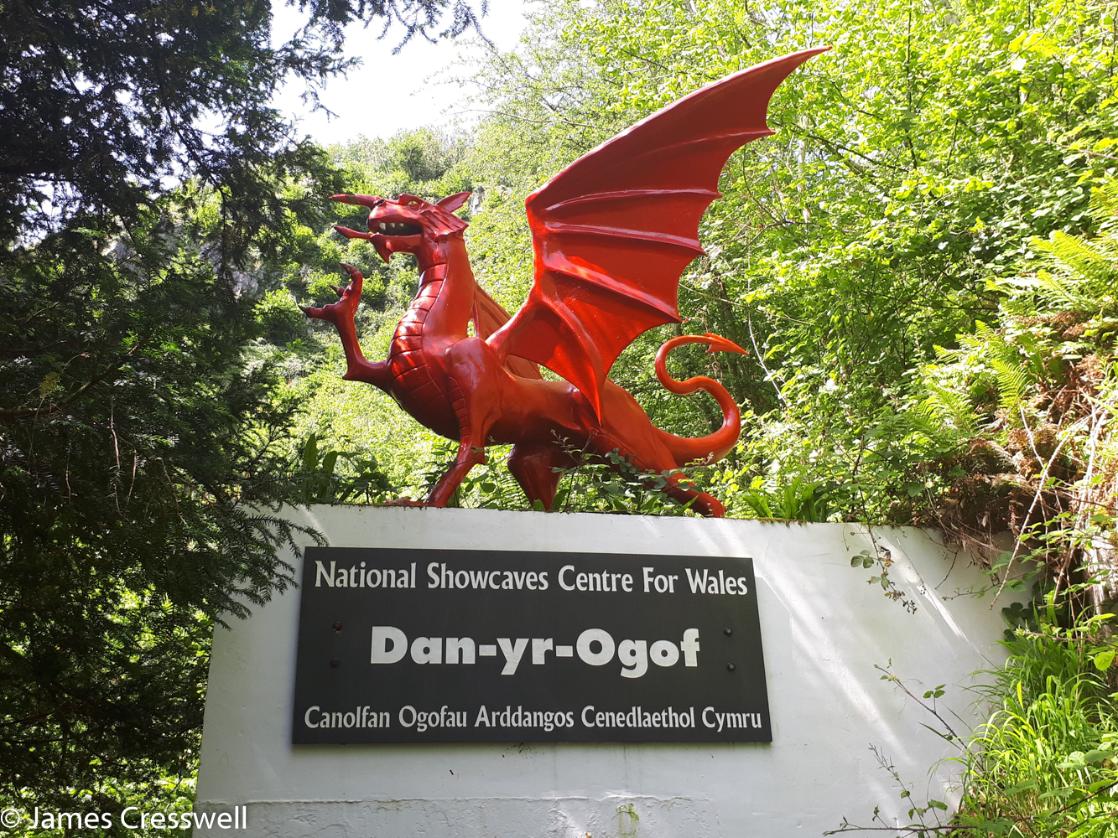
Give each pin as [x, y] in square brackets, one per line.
[612, 234]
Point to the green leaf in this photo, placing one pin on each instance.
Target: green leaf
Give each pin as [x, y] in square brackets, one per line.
[329, 461]
[1104, 660]
[310, 454]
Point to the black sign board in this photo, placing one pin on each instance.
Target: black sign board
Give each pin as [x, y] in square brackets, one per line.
[473, 646]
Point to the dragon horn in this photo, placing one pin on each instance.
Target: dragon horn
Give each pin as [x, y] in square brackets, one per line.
[352, 234]
[452, 202]
[357, 200]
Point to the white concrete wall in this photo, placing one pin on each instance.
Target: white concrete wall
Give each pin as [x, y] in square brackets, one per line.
[824, 629]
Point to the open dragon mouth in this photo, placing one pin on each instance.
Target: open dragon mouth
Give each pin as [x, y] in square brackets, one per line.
[399, 228]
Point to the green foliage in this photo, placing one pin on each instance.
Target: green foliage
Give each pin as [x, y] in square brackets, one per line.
[910, 166]
[137, 461]
[105, 102]
[280, 317]
[416, 159]
[611, 484]
[796, 500]
[319, 480]
[152, 203]
[1018, 415]
[1046, 762]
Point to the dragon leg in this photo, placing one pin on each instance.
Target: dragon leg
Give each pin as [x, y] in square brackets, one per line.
[468, 457]
[342, 314]
[534, 465]
[472, 387]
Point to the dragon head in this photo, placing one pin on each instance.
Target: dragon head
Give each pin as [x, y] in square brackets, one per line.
[406, 223]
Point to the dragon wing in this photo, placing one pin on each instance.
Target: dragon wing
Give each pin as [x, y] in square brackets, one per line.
[488, 317]
[613, 232]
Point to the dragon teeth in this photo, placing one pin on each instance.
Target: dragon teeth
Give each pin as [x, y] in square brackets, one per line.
[398, 229]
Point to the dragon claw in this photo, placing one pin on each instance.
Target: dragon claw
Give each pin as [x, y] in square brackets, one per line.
[348, 298]
[350, 294]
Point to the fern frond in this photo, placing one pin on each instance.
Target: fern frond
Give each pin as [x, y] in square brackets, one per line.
[1077, 256]
[1013, 382]
[1104, 204]
[950, 407]
[921, 420]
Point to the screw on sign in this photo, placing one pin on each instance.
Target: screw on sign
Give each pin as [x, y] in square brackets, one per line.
[612, 234]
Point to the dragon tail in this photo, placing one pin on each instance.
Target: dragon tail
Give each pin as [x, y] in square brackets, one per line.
[715, 445]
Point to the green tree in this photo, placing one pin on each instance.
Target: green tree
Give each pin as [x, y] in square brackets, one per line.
[135, 443]
[148, 192]
[103, 102]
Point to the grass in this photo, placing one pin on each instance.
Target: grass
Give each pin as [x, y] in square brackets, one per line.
[1046, 762]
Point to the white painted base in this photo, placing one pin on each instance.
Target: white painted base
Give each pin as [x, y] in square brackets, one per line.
[824, 629]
